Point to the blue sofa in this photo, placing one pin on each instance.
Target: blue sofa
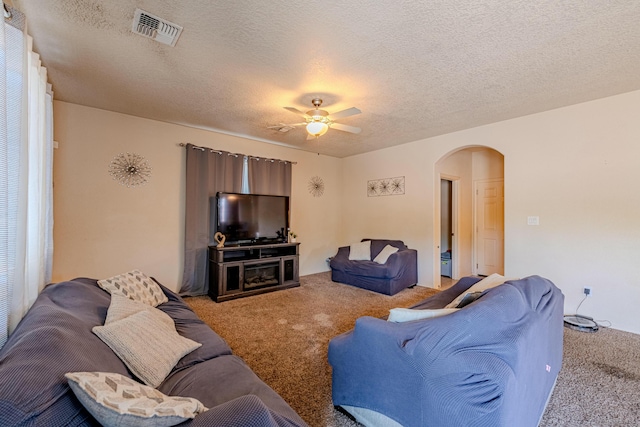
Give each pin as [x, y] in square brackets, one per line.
[492, 363]
[399, 272]
[55, 337]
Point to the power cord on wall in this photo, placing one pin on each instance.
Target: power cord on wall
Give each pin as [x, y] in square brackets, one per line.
[600, 323]
[585, 297]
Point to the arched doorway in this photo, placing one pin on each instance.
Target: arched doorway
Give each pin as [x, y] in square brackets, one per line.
[471, 179]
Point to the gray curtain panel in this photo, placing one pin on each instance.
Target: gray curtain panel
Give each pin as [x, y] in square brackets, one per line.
[207, 173]
[272, 177]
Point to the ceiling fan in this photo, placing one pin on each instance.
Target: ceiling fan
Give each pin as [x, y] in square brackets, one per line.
[319, 121]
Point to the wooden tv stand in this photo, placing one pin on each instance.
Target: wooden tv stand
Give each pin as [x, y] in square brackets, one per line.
[240, 271]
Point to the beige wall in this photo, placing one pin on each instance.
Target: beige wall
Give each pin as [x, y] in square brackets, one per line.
[577, 168]
[103, 228]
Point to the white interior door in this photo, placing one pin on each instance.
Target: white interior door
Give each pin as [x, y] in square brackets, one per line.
[489, 218]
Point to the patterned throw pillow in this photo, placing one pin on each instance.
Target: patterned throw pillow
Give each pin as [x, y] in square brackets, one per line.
[122, 307]
[115, 400]
[135, 285]
[149, 347]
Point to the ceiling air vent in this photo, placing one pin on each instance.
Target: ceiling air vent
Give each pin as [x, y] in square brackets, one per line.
[149, 25]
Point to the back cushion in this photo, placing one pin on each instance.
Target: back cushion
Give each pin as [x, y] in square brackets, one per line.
[378, 245]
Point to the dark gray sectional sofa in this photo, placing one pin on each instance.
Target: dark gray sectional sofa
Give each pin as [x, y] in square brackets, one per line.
[55, 337]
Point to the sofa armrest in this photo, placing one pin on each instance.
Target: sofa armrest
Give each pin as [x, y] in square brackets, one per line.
[369, 365]
[401, 261]
[343, 252]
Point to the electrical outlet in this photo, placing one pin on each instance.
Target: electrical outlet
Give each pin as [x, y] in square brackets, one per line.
[587, 291]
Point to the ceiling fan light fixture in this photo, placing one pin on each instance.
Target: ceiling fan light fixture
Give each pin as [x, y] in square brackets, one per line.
[317, 128]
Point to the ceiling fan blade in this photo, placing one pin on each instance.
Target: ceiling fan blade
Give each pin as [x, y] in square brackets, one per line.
[345, 128]
[296, 111]
[345, 113]
[281, 125]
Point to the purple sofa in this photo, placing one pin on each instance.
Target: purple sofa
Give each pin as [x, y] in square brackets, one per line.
[399, 272]
[55, 337]
[492, 363]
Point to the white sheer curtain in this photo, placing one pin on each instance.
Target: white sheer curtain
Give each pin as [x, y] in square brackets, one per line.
[26, 159]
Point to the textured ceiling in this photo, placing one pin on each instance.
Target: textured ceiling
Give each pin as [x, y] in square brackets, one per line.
[416, 68]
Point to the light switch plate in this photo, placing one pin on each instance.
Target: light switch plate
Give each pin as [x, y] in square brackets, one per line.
[533, 220]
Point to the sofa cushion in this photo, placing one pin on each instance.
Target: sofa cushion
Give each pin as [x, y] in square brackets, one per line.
[223, 379]
[378, 244]
[148, 347]
[135, 285]
[360, 251]
[385, 253]
[117, 401]
[367, 268]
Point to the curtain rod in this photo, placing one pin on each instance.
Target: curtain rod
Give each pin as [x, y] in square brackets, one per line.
[182, 144]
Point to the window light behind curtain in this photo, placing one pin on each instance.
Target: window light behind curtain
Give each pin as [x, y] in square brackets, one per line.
[26, 159]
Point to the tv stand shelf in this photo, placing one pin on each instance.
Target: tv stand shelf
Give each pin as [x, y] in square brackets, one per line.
[240, 271]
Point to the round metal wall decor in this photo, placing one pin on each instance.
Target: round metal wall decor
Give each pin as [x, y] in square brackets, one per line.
[130, 170]
[316, 186]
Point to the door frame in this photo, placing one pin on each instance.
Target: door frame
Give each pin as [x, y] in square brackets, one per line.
[455, 215]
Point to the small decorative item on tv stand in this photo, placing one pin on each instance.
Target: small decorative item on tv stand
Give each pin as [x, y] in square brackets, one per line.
[292, 237]
[220, 238]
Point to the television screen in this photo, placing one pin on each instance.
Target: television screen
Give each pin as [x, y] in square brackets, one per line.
[252, 218]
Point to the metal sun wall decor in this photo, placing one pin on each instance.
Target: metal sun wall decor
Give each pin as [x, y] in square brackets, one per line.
[386, 187]
[130, 169]
[316, 186]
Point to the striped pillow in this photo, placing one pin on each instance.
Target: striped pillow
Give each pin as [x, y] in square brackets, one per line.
[149, 347]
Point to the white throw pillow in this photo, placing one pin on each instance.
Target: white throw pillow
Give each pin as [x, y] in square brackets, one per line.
[115, 400]
[385, 253]
[149, 347]
[399, 315]
[360, 251]
[122, 307]
[368, 417]
[487, 283]
[135, 285]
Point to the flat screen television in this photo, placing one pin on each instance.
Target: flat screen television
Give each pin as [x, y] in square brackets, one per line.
[247, 219]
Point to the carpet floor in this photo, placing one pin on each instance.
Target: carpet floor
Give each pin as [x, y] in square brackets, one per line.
[284, 336]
